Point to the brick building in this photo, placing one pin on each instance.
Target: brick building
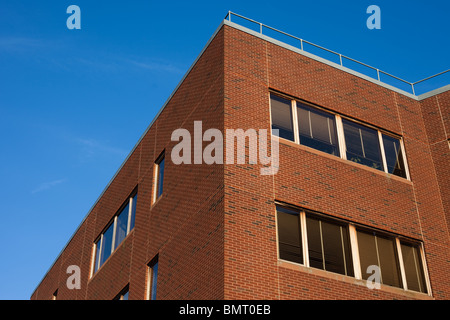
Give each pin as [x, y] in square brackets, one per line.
[363, 179]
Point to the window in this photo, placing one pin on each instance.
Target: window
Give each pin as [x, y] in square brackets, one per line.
[289, 235]
[328, 246]
[333, 134]
[317, 129]
[159, 176]
[379, 251]
[282, 117]
[318, 241]
[119, 227]
[55, 295]
[394, 156]
[412, 261]
[106, 248]
[123, 295]
[362, 145]
[152, 279]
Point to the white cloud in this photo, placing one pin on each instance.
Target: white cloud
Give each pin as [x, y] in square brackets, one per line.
[47, 185]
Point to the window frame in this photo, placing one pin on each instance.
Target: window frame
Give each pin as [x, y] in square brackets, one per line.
[98, 242]
[124, 292]
[151, 277]
[354, 246]
[338, 120]
[156, 175]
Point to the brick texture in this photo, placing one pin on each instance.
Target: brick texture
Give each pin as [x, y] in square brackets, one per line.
[214, 227]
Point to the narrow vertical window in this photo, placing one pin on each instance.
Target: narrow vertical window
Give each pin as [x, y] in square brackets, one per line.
[281, 112]
[328, 246]
[152, 278]
[317, 129]
[379, 251]
[394, 156]
[121, 226]
[98, 248]
[362, 145]
[412, 262]
[133, 212]
[123, 295]
[106, 248]
[159, 176]
[289, 235]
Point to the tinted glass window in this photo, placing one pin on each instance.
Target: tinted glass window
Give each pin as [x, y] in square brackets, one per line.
[388, 262]
[160, 178]
[133, 212]
[394, 156]
[282, 117]
[314, 243]
[367, 252]
[97, 254]
[362, 145]
[413, 268]
[107, 244]
[121, 227]
[328, 246]
[289, 235]
[154, 280]
[379, 251]
[317, 129]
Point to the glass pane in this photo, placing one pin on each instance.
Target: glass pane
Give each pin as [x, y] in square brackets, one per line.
[303, 121]
[282, 117]
[317, 129]
[125, 296]
[314, 243]
[160, 178]
[394, 156]
[289, 235]
[367, 252]
[388, 262]
[107, 244]
[352, 140]
[332, 247]
[133, 212]
[154, 281]
[362, 145]
[97, 254]
[413, 268]
[121, 229]
[347, 251]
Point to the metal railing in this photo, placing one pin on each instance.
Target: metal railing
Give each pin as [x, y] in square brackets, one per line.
[341, 56]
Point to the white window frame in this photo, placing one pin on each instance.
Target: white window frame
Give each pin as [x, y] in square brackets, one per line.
[150, 279]
[95, 265]
[341, 135]
[353, 239]
[156, 175]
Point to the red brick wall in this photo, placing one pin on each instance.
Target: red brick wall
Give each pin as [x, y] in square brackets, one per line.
[214, 227]
[184, 226]
[320, 182]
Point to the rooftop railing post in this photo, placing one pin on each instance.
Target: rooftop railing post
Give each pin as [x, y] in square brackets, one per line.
[260, 27]
[340, 58]
[412, 87]
[301, 44]
[229, 16]
[378, 74]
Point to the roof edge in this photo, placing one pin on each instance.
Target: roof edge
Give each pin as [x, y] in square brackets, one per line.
[335, 65]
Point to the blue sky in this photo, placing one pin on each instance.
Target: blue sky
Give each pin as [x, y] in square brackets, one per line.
[73, 103]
